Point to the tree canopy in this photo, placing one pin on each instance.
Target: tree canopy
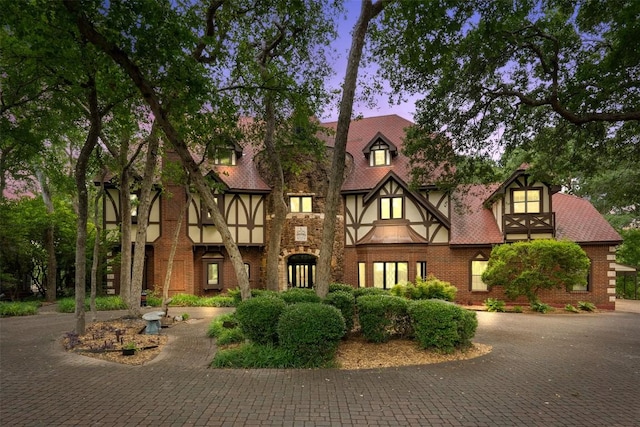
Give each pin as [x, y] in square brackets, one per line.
[497, 75]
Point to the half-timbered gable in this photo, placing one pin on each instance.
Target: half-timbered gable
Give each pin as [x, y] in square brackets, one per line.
[391, 213]
[113, 215]
[523, 208]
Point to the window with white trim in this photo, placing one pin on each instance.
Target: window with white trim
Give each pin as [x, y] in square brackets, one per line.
[421, 269]
[478, 266]
[526, 201]
[379, 155]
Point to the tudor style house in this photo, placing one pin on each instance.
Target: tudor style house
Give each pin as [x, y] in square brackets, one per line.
[387, 232]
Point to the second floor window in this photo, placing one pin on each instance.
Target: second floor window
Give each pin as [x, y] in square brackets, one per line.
[225, 156]
[379, 155]
[526, 201]
[300, 203]
[391, 208]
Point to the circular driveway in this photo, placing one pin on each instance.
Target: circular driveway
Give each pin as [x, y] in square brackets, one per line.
[544, 370]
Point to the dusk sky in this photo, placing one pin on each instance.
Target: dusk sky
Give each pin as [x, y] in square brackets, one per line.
[342, 44]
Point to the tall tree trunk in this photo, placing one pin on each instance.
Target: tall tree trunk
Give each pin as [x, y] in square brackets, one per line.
[152, 99]
[83, 204]
[174, 245]
[336, 174]
[49, 241]
[279, 204]
[125, 231]
[143, 222]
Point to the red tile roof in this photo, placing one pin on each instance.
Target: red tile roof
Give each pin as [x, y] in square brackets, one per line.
[577, 220]
[471, 222]
[361, 132]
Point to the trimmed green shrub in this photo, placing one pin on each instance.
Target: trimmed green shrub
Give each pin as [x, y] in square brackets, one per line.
[382, 316]
[431, 288]
[333, 287]
[494, 305]
[296, 295]
[346, 303]
[586, 306]
[258, 318]
[311, 332]
[253, 355]
[517, 309]
[441, 325]
[9, 309]
[360, 292]
[264, 293]
[236, 295]
[217, 301]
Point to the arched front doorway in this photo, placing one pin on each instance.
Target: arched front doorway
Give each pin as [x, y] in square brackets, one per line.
[301, 270]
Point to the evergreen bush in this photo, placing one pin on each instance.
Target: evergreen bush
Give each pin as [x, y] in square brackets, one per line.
[431, 288]
[382, 316]
[346, 303]
[311, 332]
[441, 325]
[258, 318]
[296, 295]
[333, 287]
[360, 292]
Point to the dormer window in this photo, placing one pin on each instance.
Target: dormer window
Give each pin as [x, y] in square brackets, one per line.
[225, 156]
[380, 155]
[526, 201]
[379, 151]
[301, 204]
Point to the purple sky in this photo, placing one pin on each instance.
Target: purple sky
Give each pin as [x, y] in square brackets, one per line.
[342, 44]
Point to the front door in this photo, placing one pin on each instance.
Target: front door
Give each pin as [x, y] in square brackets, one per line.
[302, 271]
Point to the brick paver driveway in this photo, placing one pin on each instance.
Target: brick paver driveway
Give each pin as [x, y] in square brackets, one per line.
[544, 370]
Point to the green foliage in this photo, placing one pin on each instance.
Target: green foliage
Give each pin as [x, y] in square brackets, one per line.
[185, 300]
[263, 293]
[258, 318]
[225, 329]
[442, 326]
[333, 287]
[346, 303]
[586, 306]
[296, 295]
[489, 68]
[237, 296]
[154, 299]
[494, 305]
[252, 355]
[431, 288]
[517, 309]
[382, 317]
[311, 332]
[540, 307]
[9, 309]
[571, 308]
[523, 268]
[106, 303]
[359, 292]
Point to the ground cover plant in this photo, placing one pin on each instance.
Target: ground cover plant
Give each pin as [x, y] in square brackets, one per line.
[15, 308]
[105, 303]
